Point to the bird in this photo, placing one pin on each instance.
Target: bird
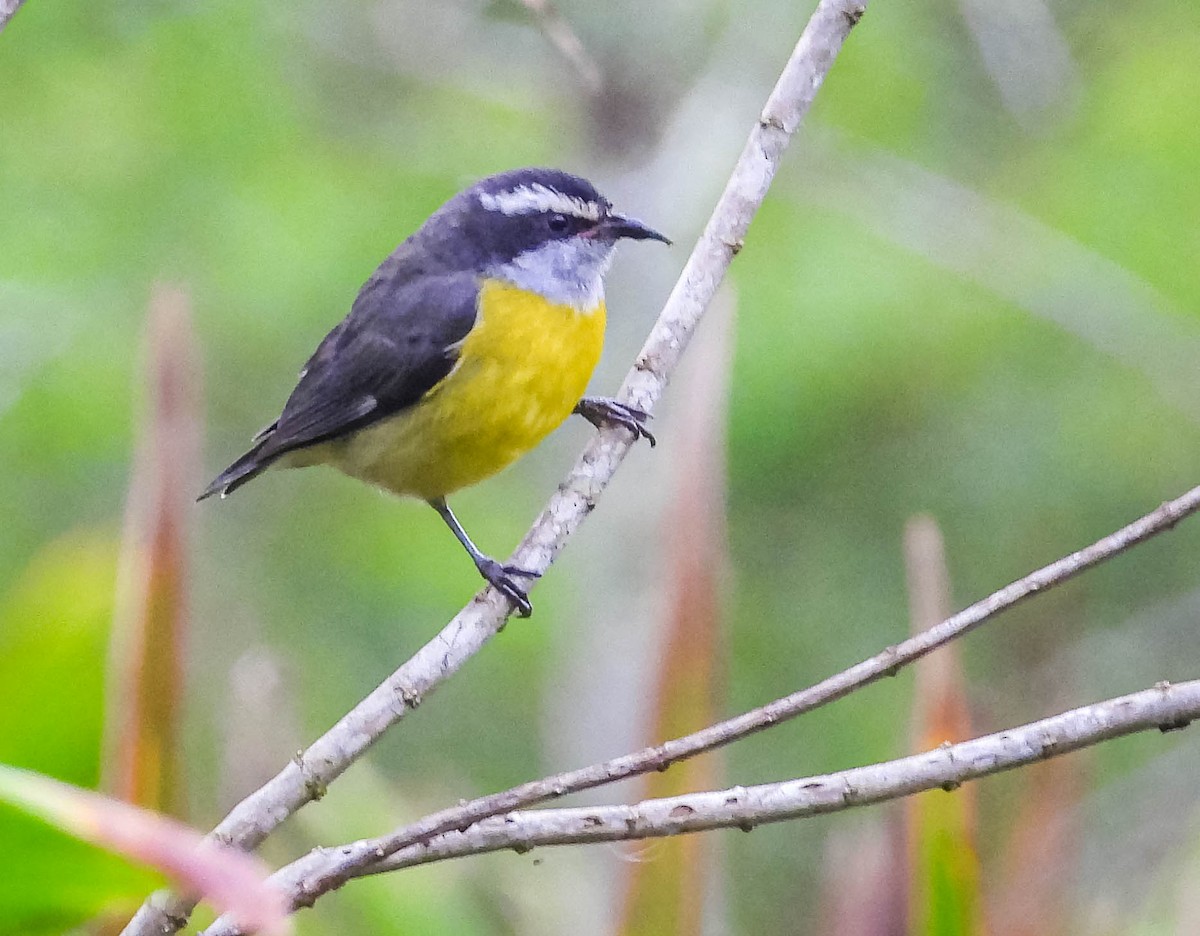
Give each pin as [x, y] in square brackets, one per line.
[467, 346]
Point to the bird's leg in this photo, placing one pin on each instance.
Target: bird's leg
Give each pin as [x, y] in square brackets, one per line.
[497, 575]
[601, 412]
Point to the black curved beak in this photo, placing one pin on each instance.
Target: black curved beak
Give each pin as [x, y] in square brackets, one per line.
[619, 225]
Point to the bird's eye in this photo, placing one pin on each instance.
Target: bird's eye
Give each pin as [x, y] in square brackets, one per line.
[557, 222]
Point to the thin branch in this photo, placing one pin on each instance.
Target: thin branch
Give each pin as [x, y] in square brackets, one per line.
[8, 9]
[327, 869]
[308, 775]
[1164, 707]
[562, 37]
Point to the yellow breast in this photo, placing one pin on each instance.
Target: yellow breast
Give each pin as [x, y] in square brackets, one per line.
[519, 374]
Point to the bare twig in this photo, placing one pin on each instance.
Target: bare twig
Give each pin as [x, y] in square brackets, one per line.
[306, 777]
[327, 869]
[8, 9]
[1164, 707]
[558, 33]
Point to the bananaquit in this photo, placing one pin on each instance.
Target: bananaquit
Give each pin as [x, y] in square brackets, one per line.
[467, 346]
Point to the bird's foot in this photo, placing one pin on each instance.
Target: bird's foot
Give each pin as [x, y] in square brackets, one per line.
[601, 412]
[501, 577]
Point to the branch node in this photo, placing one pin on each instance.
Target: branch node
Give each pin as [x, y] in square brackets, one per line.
[410, 697]
[304, 896]
[951, 785]
[1176, 725]
[854, 14]
[645, 365]
[661, 760]
[175, 919]
[314, 786]
[770, 120]
[1172, 515]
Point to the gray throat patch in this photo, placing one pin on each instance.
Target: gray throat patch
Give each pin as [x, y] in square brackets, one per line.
[566, 272]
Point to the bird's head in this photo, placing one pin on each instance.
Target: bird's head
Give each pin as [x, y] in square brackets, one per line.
[543, 230]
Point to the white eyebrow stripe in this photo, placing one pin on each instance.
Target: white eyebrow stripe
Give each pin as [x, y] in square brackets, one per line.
[530, 199]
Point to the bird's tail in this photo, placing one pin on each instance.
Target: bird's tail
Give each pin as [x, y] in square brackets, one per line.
[246, 468]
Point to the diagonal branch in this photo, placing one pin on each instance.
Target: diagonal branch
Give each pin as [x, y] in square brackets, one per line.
[8, 9]
[1164, 707]
[327, 869]
[307, 776]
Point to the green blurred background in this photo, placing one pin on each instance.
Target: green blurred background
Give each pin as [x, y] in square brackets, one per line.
[973, 292]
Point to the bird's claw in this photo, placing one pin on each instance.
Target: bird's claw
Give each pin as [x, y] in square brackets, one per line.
[601, 412]
[500, 577]
[523, 573]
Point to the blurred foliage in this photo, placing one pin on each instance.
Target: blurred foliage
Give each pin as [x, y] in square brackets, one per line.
[673, 893]
[268, 155]
[53, 630]
[233, 881]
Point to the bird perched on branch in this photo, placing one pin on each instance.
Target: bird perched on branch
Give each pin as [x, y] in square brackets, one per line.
[468, 345]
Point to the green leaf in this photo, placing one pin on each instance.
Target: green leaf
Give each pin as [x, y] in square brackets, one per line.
[233, 881]
[53, 635]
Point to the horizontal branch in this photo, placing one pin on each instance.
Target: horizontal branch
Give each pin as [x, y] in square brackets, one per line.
[1165, 707]
[306, 777]
[327, 869]
[323, 870]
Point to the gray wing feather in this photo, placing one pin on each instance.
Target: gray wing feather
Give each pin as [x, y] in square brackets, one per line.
[399, 340]
[397, 343]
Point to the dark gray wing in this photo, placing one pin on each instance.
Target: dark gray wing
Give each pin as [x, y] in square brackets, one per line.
[397, 343]
[400, 339]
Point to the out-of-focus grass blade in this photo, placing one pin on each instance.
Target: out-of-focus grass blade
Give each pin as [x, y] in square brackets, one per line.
[667, 889]
[863, 885]
[1040, 858]
[150, 621]
[233, 881]
[944, 878]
